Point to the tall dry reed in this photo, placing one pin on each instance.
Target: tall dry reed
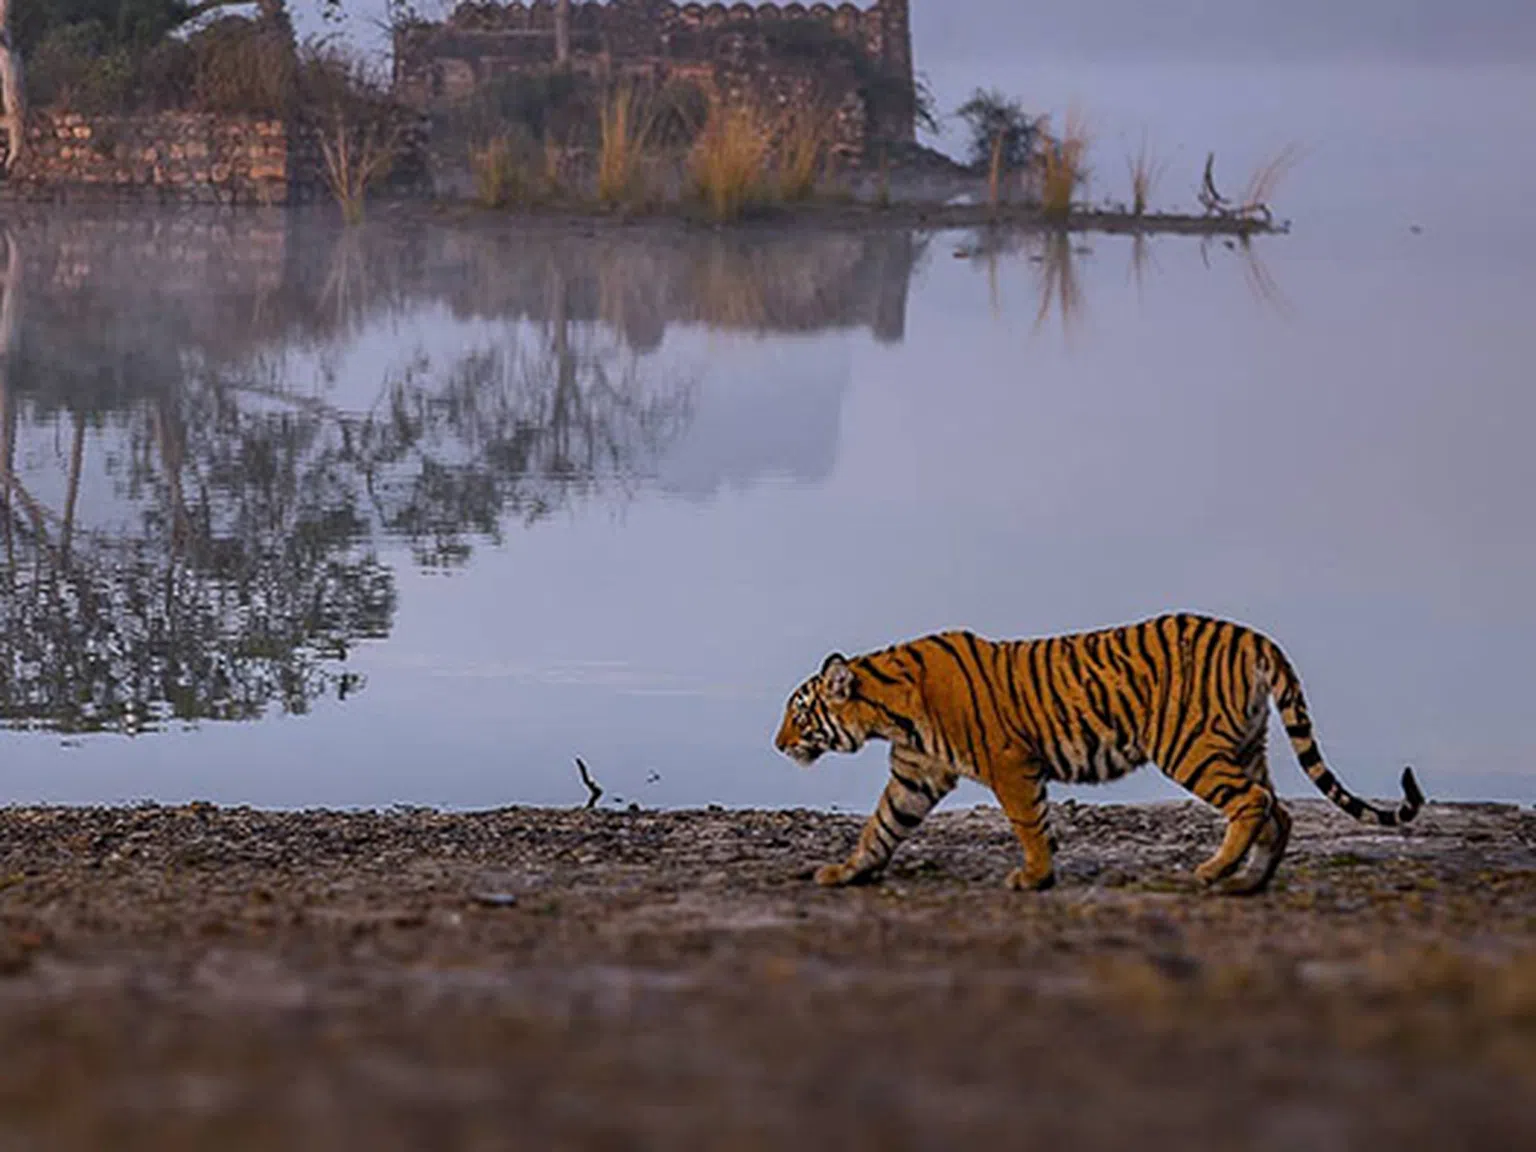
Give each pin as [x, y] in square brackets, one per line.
[624, 134]
[1064, 167]
[1146, 170]
[729, 160]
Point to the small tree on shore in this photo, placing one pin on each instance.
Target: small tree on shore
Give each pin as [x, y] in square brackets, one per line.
[1001, 131]
[358, 128]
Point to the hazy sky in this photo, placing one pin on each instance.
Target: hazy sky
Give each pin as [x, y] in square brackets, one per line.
[949, 30]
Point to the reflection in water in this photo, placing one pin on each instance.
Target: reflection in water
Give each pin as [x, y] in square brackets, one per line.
[1059, 288]
[1054, 257]
[192, 522]
[1142, 260]
[1257, 276]
[234, 576]
[234, 448]
[505, 431]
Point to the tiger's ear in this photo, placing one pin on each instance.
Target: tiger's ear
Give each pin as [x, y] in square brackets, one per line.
[837, 678]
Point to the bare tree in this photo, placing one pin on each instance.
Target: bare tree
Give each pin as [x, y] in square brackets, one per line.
[12, 92]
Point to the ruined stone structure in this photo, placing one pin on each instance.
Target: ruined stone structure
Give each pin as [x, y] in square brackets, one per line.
[856, 61]
[186, 157]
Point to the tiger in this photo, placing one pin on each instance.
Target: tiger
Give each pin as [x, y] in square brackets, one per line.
[1186, 692]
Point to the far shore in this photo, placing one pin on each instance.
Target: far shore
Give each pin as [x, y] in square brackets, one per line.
[914, 214]
[829, 215]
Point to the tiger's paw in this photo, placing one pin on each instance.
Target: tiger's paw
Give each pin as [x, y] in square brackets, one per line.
[1213, 872]
[834, 875]
[1022, 880]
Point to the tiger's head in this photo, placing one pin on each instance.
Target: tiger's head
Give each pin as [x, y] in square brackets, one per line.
[825, 714]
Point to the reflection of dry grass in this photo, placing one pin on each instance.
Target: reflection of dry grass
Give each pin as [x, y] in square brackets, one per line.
[732, 289]
[1142, 259]
[1146, 169]
[1259, 278]
[730, 158]
[1064, 167]
[1060, 289]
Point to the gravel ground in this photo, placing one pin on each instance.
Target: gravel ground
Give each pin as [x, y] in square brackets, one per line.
[200, 977]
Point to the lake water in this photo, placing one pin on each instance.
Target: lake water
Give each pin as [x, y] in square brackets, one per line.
[416, 514]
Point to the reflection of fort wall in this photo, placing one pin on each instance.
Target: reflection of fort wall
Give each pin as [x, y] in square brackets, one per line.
[110, 302]
[638, 283]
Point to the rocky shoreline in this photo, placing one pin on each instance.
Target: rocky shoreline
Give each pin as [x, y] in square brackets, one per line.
[179, 977]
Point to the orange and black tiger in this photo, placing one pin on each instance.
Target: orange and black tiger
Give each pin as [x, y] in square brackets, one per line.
[1188, 693]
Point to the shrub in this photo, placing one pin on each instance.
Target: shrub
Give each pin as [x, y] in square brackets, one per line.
[242, 66]
[76, 67]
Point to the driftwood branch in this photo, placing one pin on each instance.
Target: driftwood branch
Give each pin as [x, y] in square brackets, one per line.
[1253, 206]
[594, 790]
[1211, 200]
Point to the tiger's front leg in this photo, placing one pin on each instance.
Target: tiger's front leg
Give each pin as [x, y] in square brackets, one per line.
[909, 795]
[1019, 785]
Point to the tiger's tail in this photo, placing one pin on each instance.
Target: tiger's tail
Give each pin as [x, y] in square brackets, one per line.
[1285, 687]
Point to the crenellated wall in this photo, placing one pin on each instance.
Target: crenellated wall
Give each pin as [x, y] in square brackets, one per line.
[736, 46]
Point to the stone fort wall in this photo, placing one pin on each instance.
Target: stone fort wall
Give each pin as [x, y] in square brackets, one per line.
[734, 47]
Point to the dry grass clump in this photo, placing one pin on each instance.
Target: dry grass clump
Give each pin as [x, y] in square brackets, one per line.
[1266, 178]
[1064, 167]
[512, 174]
[624, 131]
[729, 160]
[496, 173]
[804, 139]
[1146, 170]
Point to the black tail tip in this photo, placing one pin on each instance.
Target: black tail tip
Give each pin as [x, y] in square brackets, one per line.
[1411, 792]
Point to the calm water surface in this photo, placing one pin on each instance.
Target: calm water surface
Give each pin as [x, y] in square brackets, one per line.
[417, 514]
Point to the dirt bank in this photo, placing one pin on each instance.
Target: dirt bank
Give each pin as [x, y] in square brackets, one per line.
[201, 977]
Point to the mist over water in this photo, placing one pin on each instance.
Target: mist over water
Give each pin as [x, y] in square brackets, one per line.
[417, 514]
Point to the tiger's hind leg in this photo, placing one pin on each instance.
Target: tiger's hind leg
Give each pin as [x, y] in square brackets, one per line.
[1224, 781]
[1247, 806]
[1264, 857]
[1273, 835]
